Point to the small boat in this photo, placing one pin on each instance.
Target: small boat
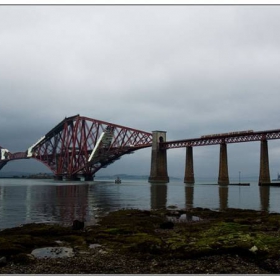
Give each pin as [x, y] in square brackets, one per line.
[118, 181]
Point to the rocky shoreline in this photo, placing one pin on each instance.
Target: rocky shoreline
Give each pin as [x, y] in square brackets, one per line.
[196, 241]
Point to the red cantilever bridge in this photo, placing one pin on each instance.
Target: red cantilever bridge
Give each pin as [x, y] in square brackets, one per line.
[79, 146]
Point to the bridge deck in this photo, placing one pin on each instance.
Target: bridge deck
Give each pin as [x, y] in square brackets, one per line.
[223, 138]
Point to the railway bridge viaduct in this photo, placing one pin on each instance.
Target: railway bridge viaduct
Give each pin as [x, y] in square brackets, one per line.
[160, 146]
[79, 146]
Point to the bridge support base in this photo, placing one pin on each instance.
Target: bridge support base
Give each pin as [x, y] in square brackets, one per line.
[89, 178]
[189, 175]
[72, 178]
[223, 168]
[264, 176]
[159, 160]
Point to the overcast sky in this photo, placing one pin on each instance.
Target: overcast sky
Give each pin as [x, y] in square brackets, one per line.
[188, 70]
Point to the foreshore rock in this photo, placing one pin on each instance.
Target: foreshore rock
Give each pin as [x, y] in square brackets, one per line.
[131, 241]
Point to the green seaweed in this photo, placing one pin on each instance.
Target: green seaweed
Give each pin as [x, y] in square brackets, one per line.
[135, 231]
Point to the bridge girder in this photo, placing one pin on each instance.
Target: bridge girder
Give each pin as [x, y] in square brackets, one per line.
[66, 148]
[216, 140]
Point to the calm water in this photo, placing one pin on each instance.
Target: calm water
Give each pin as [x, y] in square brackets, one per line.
[28, 200]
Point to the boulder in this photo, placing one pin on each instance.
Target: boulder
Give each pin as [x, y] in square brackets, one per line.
[53, 252]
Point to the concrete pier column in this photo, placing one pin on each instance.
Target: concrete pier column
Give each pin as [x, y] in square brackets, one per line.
[159, 160]
[189, 175]
[264, 176]
[223, 168]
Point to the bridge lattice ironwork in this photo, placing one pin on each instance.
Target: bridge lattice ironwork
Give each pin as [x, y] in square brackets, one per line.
[81, 146]
[219, 139]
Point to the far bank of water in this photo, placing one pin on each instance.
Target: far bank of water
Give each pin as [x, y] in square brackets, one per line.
[29, 200]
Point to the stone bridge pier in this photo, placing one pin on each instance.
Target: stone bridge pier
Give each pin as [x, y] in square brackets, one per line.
[223, 167]
[158, 173]
[159, 161]
[264, 177]
[189, 174]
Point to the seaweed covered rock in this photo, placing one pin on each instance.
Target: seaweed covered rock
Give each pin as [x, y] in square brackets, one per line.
[253, 235]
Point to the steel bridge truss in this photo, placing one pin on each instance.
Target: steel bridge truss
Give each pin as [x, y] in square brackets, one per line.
[80, 146]
[6, 156]
[220, 139]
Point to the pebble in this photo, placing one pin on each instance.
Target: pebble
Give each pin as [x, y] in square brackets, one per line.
[254, 249]
[94, 246]
[113, 263]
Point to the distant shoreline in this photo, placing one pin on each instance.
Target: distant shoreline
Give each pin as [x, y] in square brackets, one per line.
[28, 177]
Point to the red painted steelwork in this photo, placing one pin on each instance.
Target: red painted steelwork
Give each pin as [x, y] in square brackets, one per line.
[18, 155]
[215, 140]
[10, 156]
[15, 156]
[67, 148]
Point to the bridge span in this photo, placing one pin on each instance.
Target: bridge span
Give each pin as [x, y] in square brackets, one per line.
[160, 146]
[79, 146]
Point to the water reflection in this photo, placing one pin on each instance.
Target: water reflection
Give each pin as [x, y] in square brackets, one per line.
[2, 190]
[189, 194]
[158, 196]
[28, 201]
[20, 204]
[223, 196]
[25, 201]
[72, 202]
[264, 197]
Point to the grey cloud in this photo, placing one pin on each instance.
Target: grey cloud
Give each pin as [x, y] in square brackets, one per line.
[189, 70]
